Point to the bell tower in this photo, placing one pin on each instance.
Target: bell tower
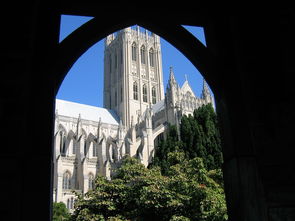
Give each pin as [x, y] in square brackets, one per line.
[133, 76]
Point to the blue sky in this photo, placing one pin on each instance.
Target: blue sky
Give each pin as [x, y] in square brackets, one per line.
[84, 82]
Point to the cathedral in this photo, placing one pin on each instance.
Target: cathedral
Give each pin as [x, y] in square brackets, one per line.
[91, 140]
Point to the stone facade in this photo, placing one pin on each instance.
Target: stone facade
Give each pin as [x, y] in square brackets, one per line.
[91, 140]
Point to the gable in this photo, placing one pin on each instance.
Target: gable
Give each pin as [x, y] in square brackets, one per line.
[187, 88]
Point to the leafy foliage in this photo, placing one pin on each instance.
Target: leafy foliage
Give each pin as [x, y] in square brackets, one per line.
[183, 183]
[138, 193]
[200, 137]
[60, 212]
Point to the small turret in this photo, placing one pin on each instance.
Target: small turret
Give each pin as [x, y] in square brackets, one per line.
[121, 131]
[171, 90]
[206, 95]
[148, 117]
[172, 80]
[79, 127]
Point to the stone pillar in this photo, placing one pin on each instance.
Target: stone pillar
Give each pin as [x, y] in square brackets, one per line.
[59, 196]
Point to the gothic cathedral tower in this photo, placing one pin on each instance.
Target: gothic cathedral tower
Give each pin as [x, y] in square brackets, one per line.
[133, 77]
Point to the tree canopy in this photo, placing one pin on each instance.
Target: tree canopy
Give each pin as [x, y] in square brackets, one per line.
[200, 137]
[183, 183]
[60, 212]
[139, 193]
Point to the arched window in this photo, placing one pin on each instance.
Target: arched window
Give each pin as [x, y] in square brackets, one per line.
[66, 181]
[71, 147]
[85, 147]
[135, 90]
[154, 95]
[144, 93]
[62, 144]
[142, 54]
[74, 147]
[94, 152]
[133, 51]
[68, 203]
[90, 181]
[151, 57]
[72, 203]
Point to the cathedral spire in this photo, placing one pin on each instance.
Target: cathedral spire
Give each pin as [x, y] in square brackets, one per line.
[205, 92]
[171, 76]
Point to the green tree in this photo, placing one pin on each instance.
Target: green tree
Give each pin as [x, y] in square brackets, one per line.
[139, 193]
[201, 138]
[169, 145]
[207, 118]
[60, 212]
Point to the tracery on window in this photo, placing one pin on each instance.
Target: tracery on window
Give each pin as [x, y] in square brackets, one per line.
[144, 93]
[142, 54]
[154, 95]
[90, 181]
[133, 51]
[151, 57]
[66, 182]
[135, 90]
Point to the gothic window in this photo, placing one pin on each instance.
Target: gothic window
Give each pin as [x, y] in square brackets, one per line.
[66, 181]
[142, 54]
[144, 93]
[151, 57]
[85, 147]
[94, 151]
[133, 52]
[135, 90]
[72, 203]
[154, 95]
[71, 148]
[90, 181]
[68, 203]
[62, 143]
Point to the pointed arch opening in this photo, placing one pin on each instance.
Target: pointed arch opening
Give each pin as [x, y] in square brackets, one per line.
[142, 55]
[141, 91]
[135, 90]
[134, 51]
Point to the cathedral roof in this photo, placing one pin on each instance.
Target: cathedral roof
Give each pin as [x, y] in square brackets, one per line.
[87, 112]
[187, 88]
[160, 105]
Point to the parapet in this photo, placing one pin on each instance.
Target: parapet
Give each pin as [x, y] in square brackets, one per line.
[135, 32]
